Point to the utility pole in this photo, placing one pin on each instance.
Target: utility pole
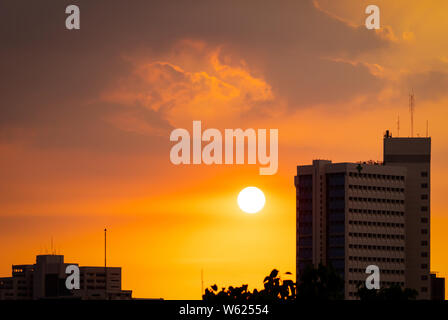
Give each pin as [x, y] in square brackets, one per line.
[105, 264]
[411, 110]
[202, 282]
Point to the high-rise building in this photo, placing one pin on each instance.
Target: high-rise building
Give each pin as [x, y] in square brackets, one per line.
[46, 280]
[414, 154]
[352, 215]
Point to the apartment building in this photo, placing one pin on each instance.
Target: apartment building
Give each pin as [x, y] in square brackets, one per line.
[352, 215]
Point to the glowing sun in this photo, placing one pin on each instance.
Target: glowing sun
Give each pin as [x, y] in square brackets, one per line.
[251, 200]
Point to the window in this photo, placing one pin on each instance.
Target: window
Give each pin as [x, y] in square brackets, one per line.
[424, 254]
[424, 278]
[424, 197]
[424, 208]
[424, 243]
[424, 231]
[424, 266]
[424, 220]
[424, 185]
[424, 174]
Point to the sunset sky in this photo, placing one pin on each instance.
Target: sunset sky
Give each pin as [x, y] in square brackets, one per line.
[86, 115]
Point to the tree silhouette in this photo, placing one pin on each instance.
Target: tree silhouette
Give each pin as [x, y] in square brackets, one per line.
[316, 283]
[394, 293]
[321, 283]
[275, 289]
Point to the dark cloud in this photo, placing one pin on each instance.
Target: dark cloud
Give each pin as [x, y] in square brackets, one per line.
[50, 76]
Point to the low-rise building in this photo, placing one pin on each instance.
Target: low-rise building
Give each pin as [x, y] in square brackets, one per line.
[46, 280]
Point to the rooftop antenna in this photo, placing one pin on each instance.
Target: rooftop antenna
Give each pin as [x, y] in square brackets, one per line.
[202, 282]
[398, 126]
[105, 263]
[427, 129]
[52, 249]
[411, 110]
[105, 247]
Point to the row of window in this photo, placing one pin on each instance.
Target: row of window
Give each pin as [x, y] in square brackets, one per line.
[382, 283]
[375, 176]
[92, 281]
[371, 211]
[375, 188]
[89, 274]
[376, 235]
[375, 247]
[376, 259]
[310, 200]
[382, 271]
[379, 200]
[376, 224]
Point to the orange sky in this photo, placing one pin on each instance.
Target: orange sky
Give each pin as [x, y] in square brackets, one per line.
[84, 135]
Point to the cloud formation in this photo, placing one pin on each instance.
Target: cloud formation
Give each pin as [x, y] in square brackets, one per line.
[54, 79]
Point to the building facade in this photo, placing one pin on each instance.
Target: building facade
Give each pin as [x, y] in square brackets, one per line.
[414, 154]
[46, 280]
[352, 215]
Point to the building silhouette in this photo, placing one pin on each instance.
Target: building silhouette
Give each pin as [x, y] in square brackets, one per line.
[46, 280]
[437, 287]
[352, 215]
[414, 154]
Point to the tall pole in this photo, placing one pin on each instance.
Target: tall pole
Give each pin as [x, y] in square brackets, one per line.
[105, 263]
[105, 244]
[411, 109]
[202, 282]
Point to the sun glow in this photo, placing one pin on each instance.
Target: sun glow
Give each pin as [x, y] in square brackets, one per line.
[251, 200]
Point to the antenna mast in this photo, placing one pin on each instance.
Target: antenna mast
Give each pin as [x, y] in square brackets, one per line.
[105, 263]
[411, 110]
[398, 126]
[202, 282]
[105, 244]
